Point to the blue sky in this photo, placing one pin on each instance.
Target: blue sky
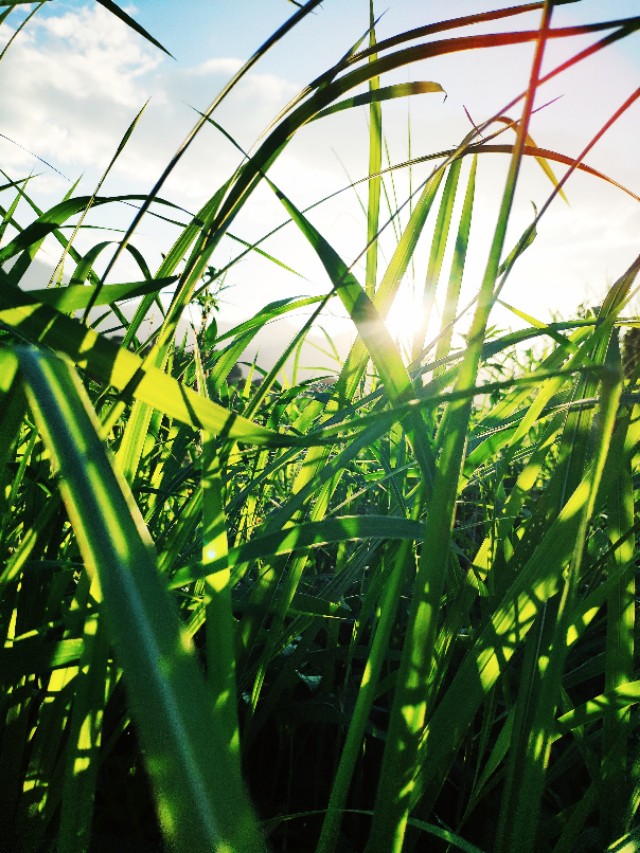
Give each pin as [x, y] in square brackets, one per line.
[84, 76]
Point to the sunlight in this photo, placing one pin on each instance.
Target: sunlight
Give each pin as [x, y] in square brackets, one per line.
[404, 318]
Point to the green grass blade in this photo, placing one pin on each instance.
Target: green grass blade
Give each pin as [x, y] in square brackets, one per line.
[619, 651]
[379, 95]
[375, 165]
[221, 660]
[452, 298]
[436, 255]
[85, 736]
[196, 775]
[77, 296]
[123, 370]
[329, 530]
[112, 7]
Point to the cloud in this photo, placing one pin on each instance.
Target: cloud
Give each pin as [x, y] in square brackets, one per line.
[222, 65]
[69, 83]
[72, 83]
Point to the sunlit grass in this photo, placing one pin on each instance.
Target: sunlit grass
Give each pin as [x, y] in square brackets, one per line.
[391, 609]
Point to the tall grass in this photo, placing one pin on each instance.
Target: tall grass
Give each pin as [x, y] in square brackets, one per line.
[396, 611]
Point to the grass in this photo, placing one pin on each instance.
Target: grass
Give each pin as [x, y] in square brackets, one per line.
[396, 611]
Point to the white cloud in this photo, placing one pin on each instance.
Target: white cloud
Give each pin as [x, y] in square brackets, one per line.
[71, 84]
[221, 65]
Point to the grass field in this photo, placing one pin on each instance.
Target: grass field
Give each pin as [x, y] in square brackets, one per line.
[391, 610]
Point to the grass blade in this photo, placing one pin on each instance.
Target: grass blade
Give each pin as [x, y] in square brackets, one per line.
[196, 774]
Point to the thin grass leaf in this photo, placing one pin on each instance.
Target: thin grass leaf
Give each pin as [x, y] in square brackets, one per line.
[112, 7]
[74, 297]
[384, 93]
[310, 534]
[375, 165]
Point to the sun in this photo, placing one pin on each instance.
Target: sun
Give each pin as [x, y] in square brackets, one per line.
[404, 319]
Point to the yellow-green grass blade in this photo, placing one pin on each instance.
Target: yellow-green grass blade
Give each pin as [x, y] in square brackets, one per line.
[216, 587]
[220, 624]
[11, 415]
[436, 255]
[132, 444]
[329, 530]
[537, 643]
[268, 313]
[85, 735]
[617, 700]
[40, 791]
[37, 656]
[124, 370]
[196, 775]
[375, 165]
[77, 296]
[452, 297]
[627, 843]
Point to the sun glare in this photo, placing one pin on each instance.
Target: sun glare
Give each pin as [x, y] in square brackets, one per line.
[404, 318]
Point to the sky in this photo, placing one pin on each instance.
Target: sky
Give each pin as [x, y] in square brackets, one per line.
[75, 77]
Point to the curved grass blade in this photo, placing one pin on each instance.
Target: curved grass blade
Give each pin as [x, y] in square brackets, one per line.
[77, 296]
[195, 771]
[384, 93]
[330, 530]
[124, 370]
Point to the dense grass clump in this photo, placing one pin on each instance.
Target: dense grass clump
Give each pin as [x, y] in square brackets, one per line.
[391, 609]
